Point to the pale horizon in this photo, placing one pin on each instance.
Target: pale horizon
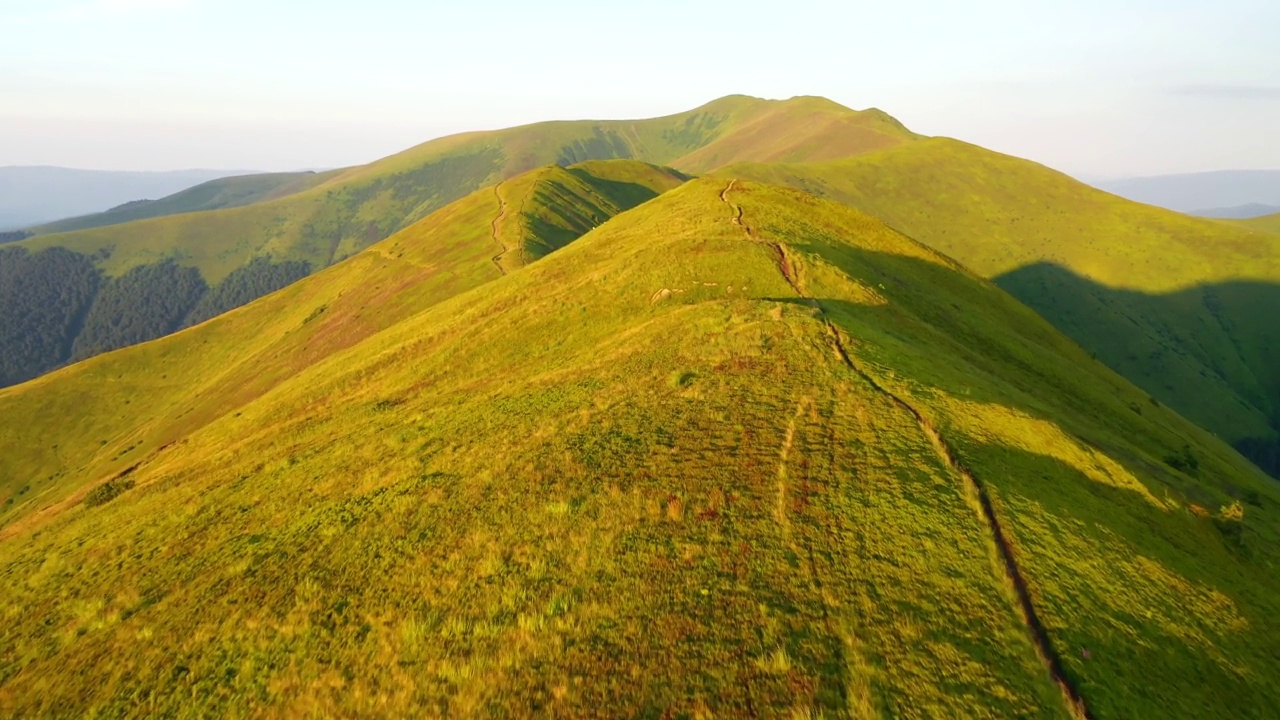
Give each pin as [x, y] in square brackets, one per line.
[1094, 91]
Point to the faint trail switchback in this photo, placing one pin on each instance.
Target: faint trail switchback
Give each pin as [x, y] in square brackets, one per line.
[502, 215]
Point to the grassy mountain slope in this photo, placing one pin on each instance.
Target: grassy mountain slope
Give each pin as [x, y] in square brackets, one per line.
[53, 313]
[353, 208]
[246, 236]
[1267, 223]
[738, 451]
[213, 195]
[189, 378]
[1172, 302]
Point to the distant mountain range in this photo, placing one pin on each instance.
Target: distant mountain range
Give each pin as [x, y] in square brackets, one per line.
[1240, 212]
[1235, 194]
[35, 195]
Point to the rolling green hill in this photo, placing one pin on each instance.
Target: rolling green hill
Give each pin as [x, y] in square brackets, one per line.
[219, 245]
[352, 208]
[1269, 223]
[55, 307]
[213, 195]
[456, 249]
[1179, 305]
[738, 451]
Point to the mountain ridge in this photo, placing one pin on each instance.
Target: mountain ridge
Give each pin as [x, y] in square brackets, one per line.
[1133, 303]
[517, 492]
[242, 237]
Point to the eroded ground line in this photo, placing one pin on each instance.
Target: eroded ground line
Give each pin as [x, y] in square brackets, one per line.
[1011, 570]
[502, 215]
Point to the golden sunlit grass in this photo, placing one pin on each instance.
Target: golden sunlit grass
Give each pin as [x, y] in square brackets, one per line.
[561, 493]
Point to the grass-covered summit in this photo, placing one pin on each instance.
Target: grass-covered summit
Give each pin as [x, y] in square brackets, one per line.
[165, 264]
[738, 451]
[323, 218]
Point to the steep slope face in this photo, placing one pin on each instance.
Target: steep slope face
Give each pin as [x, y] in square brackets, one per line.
[213, 195]
[241, 253]
[1174, 303]
[109, 413]
[737, 452]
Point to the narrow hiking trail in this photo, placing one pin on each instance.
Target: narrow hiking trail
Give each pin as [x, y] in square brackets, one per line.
[502, 215]
[784, 262]
[974, 488]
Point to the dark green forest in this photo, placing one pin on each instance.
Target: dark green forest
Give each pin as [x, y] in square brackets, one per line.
[43, 302]
[246, 284]
[13, 236]
[145, 303]
[57, 307]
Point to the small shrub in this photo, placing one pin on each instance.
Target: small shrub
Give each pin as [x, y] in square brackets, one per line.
[680, 379]
[315, 314]
[1230, 523]
[1251, 497]
[1183, 460]
[108, 491]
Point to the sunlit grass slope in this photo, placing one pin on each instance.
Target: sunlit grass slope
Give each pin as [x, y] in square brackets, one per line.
[1267, 223]
[98, 417]
[1180, 305]
[683, 466]
[213, 195]
[356, 207]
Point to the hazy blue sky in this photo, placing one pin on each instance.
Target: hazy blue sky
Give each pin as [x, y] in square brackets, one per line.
[1086, 86]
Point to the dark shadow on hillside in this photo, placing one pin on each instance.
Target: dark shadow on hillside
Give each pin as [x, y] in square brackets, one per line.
[1207, 351]
[1075, 536]
[622, 193]
[1114, 530]
[997, 343]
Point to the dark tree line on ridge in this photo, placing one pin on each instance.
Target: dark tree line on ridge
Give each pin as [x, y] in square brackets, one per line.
[57, 307]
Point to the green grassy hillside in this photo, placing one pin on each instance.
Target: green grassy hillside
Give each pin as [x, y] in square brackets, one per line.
[213, 195]
[55, 307]
[736, 452]
[189, 378]
[1174, 303]
[243, 237]
[354, 208]
[1269, 223]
